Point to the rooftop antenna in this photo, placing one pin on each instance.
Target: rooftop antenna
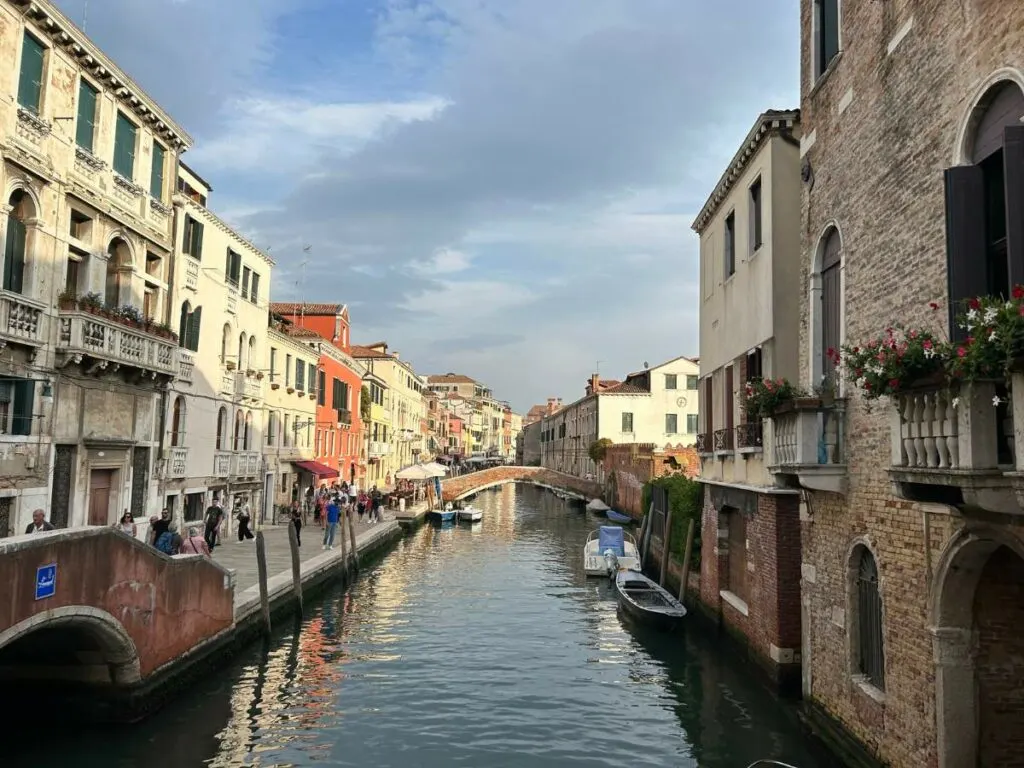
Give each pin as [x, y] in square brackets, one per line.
[307, 250]
[85, 15]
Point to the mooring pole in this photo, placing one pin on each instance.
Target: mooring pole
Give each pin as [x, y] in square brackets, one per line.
[666, 540]
[686, 561]
[293, 543]
[352, 539]
[261, 572]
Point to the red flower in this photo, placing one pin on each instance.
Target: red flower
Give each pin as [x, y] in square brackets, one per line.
[961, 352]
[970, 340]
[894, 383]
[1018, 291]
[927, 344]
[974, 304]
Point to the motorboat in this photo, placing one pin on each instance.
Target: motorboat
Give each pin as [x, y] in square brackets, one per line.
[445, 515]
[597, 506]
[618, 517]
[608, 549]
[470, 514]
[646, 601]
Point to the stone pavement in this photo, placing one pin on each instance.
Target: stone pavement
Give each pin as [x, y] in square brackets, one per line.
[240, 556]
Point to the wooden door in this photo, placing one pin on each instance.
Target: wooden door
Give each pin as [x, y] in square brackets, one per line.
[100, 482]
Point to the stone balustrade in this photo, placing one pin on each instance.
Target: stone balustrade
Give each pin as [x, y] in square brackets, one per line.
[111, 342]
[22, 319]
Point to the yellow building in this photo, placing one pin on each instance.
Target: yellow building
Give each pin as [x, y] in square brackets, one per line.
[376, 428]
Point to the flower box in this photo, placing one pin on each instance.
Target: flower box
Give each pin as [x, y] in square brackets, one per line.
[799, 404]
[229, 365]
[275, 385]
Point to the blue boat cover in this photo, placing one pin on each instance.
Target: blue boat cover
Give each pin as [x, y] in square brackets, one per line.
[611, 537]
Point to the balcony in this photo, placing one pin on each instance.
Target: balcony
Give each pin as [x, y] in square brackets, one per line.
[177, 462]
[246, 464]
[750, 437]
[21, 319]
[344, 416]
[807, 446]
[186, 365]
[722, 441]
[248, 387]
[222, 463]
[379, 449]
[703, 445]
[959, 448]
[107, 341]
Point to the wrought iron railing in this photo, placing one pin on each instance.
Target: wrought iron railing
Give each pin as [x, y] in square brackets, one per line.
[723, 439]
[702, 443]
[750, 436]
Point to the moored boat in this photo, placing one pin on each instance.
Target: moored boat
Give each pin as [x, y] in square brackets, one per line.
[608, 549]
[618, 517]
[443, 515]
[469, 514]
[646, 601]
[597, 506]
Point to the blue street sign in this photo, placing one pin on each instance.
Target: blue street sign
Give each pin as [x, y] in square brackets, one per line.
[46, 581]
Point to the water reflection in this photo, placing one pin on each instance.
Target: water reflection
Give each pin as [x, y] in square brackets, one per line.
[484, 645]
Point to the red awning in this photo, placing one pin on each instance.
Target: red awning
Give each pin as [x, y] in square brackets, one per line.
[316, 468]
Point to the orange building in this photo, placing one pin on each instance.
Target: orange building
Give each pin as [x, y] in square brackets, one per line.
[338, 440]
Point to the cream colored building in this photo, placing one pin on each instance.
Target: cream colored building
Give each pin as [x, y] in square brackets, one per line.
[291, 414]
[215, 418]
[87, 176]
[749, 324]
[657, 405]
[404, 390]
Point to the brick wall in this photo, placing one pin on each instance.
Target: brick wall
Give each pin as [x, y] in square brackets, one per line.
[457, 486]
[771, 590]
[634, 464]
[880, 128]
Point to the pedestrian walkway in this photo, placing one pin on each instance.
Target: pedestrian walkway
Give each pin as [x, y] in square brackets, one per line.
[240, 556]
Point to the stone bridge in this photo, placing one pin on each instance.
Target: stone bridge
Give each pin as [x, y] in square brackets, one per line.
[462, 486]
[115, 612]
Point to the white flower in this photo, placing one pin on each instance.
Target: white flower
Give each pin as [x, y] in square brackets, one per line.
[996, 401]
[956, 402]
[990, 315]
[929, 352]
[861, 382]
[992, 336]
[1008, 305]
[972, 315]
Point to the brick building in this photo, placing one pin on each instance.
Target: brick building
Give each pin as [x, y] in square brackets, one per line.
[753, 469]
[628, 466]
[913, 193]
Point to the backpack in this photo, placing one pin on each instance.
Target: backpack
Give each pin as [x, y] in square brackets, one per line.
[165, 543]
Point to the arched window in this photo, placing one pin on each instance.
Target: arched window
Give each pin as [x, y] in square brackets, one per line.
[225, 342]
[272, 419]
[248, 442]
[178, 421]
[826, 297]
[251, 360]
[242, 347]
[239, 430]
[222, 428]
[16, 245]
[868, 646]
[119, 265]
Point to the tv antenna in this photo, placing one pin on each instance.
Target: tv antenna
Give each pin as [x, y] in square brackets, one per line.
[85, 15]
[301, 284]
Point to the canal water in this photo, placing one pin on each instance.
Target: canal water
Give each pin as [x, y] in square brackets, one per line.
[482, 647]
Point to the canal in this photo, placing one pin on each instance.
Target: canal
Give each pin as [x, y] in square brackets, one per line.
[483, 647]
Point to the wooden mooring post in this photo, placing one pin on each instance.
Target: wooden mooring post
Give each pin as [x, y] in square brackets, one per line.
[666, 541]
[686, 561]
[293, 544]
[261, 573]
[645, 543]
[352, 539]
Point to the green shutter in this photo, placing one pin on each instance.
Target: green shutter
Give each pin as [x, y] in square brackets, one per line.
[197, 250]
[124, 147]
[194, 323]
[156, 179]
[30, 81]
[14, 255]
[85, 132]
[24, 402]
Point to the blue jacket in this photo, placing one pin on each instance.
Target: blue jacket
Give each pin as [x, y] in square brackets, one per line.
[333, 513]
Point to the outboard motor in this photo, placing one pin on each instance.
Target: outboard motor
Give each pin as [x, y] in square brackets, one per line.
[611, 563]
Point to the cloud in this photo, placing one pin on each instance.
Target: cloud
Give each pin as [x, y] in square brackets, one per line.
[525, 218]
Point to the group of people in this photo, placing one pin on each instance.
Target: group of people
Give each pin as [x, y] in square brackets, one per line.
[163, 534]
[329, 504]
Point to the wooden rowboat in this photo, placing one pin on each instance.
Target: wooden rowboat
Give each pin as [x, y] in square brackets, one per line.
[646, 601]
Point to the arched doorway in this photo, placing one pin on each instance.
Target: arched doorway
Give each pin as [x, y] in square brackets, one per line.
[117, 290]
[978, 618]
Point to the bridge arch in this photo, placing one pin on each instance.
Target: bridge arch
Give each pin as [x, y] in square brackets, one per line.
[74, 643]
[463, 486]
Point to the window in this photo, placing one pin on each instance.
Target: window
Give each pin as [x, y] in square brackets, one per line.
[254, 288]
[831, 301]
[156, 176]
[755, 215]
[691, 382]
[178, 421]
[754, 365]
[869, 648]
[826, 13]
[193, 240]
[85, 128]
[730, 245]
[17, 401]
[239, 430]
[691, 423]
[287, 370]
[311, 378]
[321, 389]
[125, 137]
[273, 363]
[71, 274]
[300, 375]
[80, 226]
[222, 428]
[15, 245]
[670, 381]
[30, 80]
[627, 422]
[271, 427]
[671, 423]
[188, 327]
[246, 272]
[233, 268]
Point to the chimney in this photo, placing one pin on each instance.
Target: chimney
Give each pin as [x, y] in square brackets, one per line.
[595, 380]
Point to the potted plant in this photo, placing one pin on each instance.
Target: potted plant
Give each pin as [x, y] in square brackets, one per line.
[274, 385]
[290, 390]
[250, 372]
[67, 300]
[259, 375]
[229, 364]
[129, 315]
[897, 361]
[764, 398]
[91, 303]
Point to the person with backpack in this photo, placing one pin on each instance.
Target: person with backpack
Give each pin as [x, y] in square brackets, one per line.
[168, 542]
[159, 525]
[244, 516]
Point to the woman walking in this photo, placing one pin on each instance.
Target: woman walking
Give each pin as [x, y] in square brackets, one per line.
[244, 516]
[127, 524]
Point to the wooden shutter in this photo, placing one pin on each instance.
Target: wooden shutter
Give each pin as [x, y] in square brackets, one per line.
[709, 409]
[14, 255]
[1013, 164]
[197, 249]
[729, 398]
[156, 177]
[966, 274]
[183, 325]
[85, 131]
[24, 403]
[831, 300]
[195, 321]
[124, 147]
[30, 81]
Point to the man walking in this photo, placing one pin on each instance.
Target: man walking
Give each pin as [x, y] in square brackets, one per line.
[333, 514]
[213, 518]
[39, 523]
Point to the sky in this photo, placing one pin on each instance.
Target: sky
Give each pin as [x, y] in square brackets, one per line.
[500, 188]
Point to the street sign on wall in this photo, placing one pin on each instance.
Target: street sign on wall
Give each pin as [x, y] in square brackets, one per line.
[46, 581]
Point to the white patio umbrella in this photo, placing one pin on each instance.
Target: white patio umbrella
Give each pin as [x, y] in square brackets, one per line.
[414, 472]
[438, 470]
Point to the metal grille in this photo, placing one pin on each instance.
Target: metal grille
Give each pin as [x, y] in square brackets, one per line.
[871, 661]
[140, 480]
[749, 435]
[6, 516]
[63, 481]
[702, 443]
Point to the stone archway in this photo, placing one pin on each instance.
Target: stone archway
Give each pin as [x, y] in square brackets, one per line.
[97, 648]
[977, 612]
